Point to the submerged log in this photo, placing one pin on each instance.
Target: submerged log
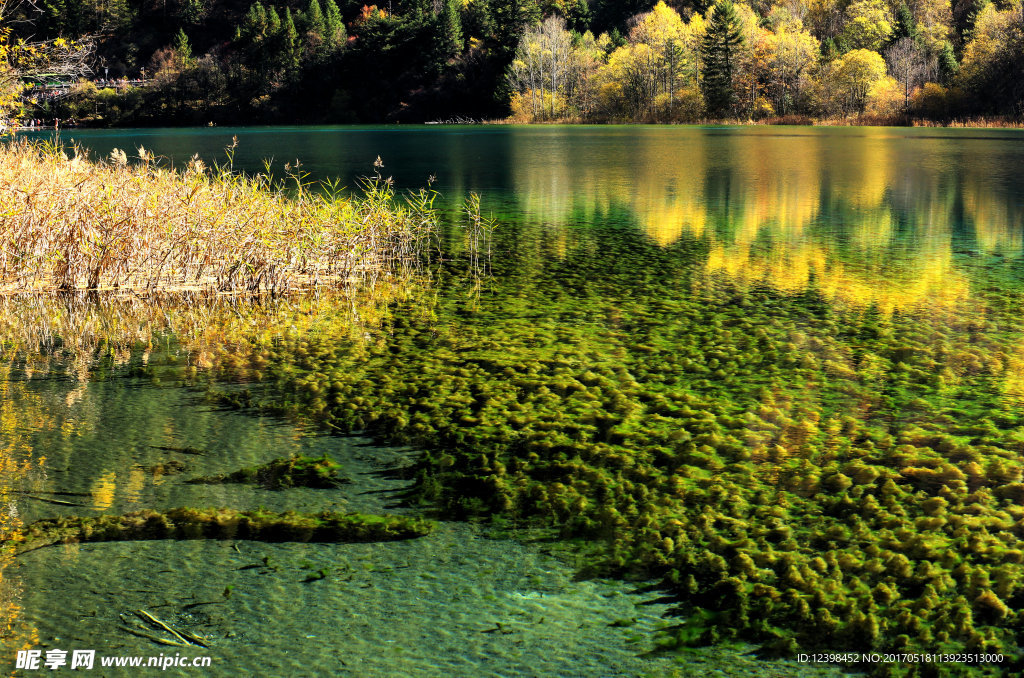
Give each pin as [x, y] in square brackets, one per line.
[218, 523]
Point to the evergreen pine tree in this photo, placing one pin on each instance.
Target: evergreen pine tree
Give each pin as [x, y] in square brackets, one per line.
[510, 19]
[273, 22]
[451, 29]
[829, 50]
[182, 48]
[718, 51]
[254, 26]
[315, 19]
[289, 41]
[948, 66]
[335, 27]
[905, 25]
[616, 40]
[577, 15]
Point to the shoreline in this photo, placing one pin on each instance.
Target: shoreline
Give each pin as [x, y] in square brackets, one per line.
[785, 121]
[789, 121]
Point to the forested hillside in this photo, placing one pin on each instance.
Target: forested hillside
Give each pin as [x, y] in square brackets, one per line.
[237, 61]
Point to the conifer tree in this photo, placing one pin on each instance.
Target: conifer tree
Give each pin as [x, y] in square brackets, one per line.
[829, 50]
[273, 22]
[254, 25]
[334, 25]
[289, 41]
[451, 29]
[948, 65]
[510, 19]
[182, 48]
[719, 51]
[616, 40]
[315, 19]
[905, 25]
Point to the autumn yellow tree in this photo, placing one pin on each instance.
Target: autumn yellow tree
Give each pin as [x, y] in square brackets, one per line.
[670, 60]
[868, 25]
[627, 83]
[855, 73]
[992, 71]
[992, 31]
[540, 71]
[790, 53]
[586, 59]
[934, 18]
[24, 61]
[886, 97]
[10, 83]
[655, 75]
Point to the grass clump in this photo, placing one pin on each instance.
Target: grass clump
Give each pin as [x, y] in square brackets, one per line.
[284, 472]
[72, 224]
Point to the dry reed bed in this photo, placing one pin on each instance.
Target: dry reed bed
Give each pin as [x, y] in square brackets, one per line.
[73, 224]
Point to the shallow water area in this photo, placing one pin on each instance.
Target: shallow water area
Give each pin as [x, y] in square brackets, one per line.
[455, 602]
[778, 371]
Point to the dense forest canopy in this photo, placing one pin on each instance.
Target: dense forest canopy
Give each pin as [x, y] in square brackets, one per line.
[413, 60]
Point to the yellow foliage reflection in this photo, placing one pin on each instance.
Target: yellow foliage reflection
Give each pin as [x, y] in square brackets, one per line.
[80, 335]
[19, 412]
[866, 213]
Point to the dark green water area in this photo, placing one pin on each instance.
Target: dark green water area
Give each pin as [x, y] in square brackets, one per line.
[706, 399]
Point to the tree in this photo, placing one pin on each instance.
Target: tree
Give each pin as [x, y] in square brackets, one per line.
[934, 19]
[315, 24]
[254, 26]
[855, 73]
[908, 64]
[23, 61]
[193, 12]
[587, 57]
[273, 22]
[335, 28]
[664, 32]
[451, 29]
[509, 20]
[992, 70]
[963, 17]
[625, 86]
[792, 53]
[903, 27]
[541, 65]
[948, 65]
[867, 26]
[182, 49]
[886, 97]
[288, 42]
[718, 52]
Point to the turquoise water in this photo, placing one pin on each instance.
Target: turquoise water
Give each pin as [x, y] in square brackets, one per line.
[728, 338]
[423, 607]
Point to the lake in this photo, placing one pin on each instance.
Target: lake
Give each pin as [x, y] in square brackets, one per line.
[724, 388]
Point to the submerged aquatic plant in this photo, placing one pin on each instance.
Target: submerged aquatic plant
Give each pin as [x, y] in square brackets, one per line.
[801, 472]
[217, 523]
[295, 471]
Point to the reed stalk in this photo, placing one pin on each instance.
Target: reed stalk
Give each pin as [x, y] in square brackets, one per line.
[68, 223]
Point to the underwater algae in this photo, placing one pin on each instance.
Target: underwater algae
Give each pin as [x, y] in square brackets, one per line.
[295, 471]
[801, 467]
[800, 471]
[218, 523]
